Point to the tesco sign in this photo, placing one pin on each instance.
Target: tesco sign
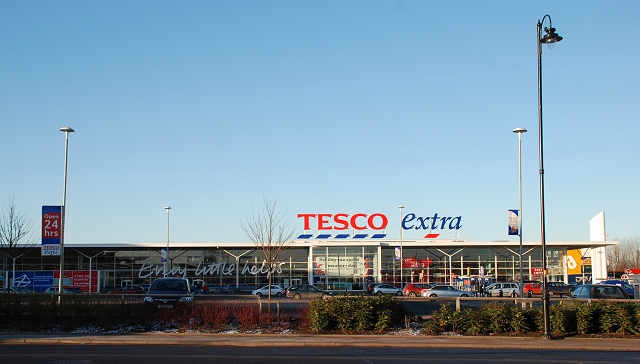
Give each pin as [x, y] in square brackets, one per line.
[376, 221]
[343, 221]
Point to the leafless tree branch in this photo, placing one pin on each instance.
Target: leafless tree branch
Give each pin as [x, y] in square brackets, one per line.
[15, 232]
[270, 231]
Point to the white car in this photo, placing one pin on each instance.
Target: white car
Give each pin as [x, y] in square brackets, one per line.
[381, 289]
[443, 290]
[264, 291]
[508, 289]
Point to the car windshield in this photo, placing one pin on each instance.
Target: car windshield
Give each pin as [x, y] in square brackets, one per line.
[607, 292]
[170, 285]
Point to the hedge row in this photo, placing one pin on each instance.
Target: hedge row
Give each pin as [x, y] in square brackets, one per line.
[39, 312]
[343, 314]
[573, 317]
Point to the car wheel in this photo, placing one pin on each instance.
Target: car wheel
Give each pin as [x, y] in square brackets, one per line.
[464, 295]
[433, 295]
[412, 294]
[399, 293]
[378, 293]
[259, 294]
[278, 294]
[296, 296]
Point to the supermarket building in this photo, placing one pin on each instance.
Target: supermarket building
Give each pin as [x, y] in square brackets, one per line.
[334, 252]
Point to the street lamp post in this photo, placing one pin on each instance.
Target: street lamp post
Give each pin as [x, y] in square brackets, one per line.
[66, 130]
[166, 259]
[519, 131]
[401, 252]
[550, 37]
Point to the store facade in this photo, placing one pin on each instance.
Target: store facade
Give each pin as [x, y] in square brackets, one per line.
[329, 264]
[334, 251]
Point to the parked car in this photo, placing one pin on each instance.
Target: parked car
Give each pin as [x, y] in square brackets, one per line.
[74, 290]
[443, 290]
[264, 291]
[54, 290]
[128, 290]
[507, 289]
[385, 288]
[599, 291]
[626, 286]
[169, 292]
[299, 291]
[370, 287]
[559, 288]
[415, 289]
[532, 288]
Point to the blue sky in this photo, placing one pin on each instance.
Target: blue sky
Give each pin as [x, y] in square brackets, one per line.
[326, 106]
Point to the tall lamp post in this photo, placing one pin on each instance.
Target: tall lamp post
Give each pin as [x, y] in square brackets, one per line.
[550, 37]
[401, 252]
[519, 131]
[66, 130]
[166, 259]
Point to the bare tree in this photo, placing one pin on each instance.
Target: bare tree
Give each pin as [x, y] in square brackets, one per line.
[625, 255]
[15, 233]
[271, 232]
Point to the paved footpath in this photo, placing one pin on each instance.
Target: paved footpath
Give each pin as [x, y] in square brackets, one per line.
[282, 340]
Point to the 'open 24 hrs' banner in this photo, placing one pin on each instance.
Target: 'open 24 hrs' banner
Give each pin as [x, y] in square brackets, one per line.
[51, 230]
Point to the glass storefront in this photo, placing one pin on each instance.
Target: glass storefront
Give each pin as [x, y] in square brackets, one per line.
[328, 267]
[344, 268]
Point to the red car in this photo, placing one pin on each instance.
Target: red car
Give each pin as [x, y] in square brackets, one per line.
[533, 288]
[415, 289]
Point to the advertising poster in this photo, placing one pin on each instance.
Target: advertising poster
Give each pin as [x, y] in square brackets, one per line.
[39, 281]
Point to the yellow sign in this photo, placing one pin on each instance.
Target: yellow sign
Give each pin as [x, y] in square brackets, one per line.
[574, 262]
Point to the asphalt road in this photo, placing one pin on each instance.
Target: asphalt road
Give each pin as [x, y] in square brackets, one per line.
[157, 354]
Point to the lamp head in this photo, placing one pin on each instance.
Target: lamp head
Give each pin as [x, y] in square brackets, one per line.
[551, 36]
[520, 130]
[66, 129]
[167, 208]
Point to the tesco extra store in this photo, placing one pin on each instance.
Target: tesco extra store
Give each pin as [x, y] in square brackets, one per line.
[337, 252]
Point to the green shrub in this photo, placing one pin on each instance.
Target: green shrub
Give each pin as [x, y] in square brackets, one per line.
[440, 321]
[498, 316]
[355, 314]
[585, 318]
[562, 318]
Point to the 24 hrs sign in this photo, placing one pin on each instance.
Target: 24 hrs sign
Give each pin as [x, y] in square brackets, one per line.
[51, 230]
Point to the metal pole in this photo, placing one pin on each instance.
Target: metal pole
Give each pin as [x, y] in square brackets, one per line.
[545, 292]
[520, 215]
[166, 260]
[520, 131]
[66, 130]
[401, 252]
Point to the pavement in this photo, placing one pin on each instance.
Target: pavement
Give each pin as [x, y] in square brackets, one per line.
[288, 340]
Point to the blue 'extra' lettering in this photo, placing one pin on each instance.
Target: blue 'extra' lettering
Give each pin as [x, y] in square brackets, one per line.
[412, 221]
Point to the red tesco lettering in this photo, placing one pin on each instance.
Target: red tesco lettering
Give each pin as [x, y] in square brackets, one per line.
[342, 221]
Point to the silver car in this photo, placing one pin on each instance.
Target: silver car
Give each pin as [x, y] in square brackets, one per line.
[381, 289]
[507, 289]
[441, 290]
[275, 291]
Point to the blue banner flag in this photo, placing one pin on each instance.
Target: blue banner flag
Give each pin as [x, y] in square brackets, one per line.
[513, 222]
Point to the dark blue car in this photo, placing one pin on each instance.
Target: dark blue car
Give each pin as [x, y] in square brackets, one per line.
[626, 286]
